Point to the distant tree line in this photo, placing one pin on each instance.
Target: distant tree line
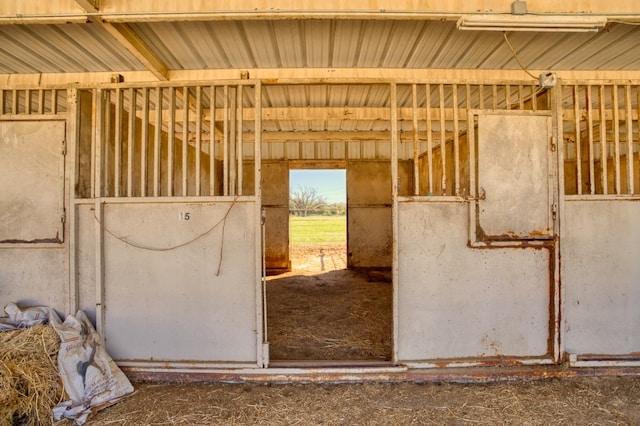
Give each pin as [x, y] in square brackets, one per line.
[305, 201]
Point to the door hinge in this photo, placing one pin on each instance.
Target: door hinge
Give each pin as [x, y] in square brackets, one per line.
[554, 211]
[553, 144]
[64, 147]
[63, 218]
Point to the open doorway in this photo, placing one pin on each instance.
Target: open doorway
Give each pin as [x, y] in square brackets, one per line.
[324, 311]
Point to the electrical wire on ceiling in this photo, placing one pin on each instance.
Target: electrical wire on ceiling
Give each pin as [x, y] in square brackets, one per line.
[515, 55]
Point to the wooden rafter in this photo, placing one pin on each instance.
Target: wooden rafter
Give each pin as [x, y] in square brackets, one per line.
[129, 40]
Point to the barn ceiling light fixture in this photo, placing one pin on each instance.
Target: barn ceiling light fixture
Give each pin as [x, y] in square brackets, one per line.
[529, 22]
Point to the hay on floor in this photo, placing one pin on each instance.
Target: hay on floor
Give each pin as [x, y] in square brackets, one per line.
[29, 384]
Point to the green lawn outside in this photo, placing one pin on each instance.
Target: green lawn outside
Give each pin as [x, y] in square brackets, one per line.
[311, 230]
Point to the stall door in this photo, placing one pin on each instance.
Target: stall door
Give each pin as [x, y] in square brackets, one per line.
[515, 198]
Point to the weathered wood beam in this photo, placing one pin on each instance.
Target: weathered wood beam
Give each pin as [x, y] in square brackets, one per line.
[129, 40]
[88, 5]
[138, 48]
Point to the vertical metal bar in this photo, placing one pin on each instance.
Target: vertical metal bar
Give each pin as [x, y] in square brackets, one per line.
[106, 161]
[95, 102]
[592, 172]
[629, 126]
[416, 148]
[69, 266]
[473, 191]
[603, 141]
[117, 162]
[14, 102]
[185, 140]
[443, 142]
[54, 101]
[198, 138]
[456, 141]
[520, 96]
[494, 100]
[96, 157]
[261, 278]
[40, 101]
[576, 123]
[240, 141]
[225, 143]
[99, 266]
[212, 142]
[467, 191]
[507, 96]
[233, 176]
[157, 143]
[616, 135]
[144, 142]
[429, 139]
[394, 214]
[171, 139]
[131, 140]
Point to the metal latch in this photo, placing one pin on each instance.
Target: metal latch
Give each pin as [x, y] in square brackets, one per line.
[554, 145]
[554, 211]
[64, 147]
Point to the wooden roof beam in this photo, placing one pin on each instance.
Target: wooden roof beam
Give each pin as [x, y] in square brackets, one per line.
[130, 41]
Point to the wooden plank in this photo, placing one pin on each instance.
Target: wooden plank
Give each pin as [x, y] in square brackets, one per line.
[131, 140]
[198, 138]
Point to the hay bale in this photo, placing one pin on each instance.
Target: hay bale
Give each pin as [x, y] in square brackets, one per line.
[29, 384]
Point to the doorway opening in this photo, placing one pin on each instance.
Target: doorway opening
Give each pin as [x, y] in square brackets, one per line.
[324, 311]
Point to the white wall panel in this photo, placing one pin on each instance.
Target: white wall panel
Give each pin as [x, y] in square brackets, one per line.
[459, 302]
[601, 277]
[171, 305]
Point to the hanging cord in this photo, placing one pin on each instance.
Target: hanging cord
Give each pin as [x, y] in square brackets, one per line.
[222, 222]
[515, 55]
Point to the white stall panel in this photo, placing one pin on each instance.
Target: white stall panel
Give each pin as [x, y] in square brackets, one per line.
[513, 176]
[460, 302]
[34, 277]
[31, 181]
[172, 304]
[601, 277]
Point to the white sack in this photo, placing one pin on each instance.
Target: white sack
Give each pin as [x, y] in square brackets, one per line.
[90, 377]
[18, 318]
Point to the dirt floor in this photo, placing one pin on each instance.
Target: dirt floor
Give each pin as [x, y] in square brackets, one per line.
[321, 311]
[571, 401]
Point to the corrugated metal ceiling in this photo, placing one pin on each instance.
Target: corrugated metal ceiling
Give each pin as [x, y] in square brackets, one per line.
[312, 44]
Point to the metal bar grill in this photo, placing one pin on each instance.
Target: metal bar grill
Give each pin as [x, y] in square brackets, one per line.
[163, 141]
[606, 126]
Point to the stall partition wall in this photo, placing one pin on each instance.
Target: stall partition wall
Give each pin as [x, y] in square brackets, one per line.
[601, 226]
[465, 293]
[172, 267]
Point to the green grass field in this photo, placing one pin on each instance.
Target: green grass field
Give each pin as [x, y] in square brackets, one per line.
[311, 230]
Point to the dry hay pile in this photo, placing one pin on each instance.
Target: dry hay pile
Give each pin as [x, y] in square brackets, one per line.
[29, 386]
